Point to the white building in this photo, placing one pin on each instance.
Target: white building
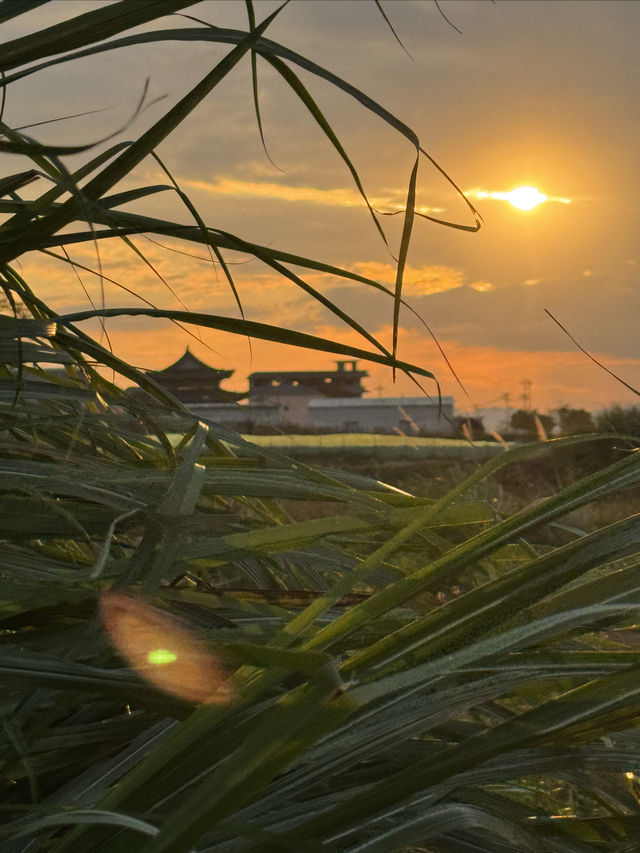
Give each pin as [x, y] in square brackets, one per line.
[286, 399]
[408, 415]
[292, 390]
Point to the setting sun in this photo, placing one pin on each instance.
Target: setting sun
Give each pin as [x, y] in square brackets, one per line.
[525, 198]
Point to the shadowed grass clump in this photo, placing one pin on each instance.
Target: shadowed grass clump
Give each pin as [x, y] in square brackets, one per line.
[186, 666]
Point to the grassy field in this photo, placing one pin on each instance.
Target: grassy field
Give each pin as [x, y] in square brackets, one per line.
[431, 467]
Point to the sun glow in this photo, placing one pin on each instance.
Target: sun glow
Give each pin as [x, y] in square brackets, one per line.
[523, 198]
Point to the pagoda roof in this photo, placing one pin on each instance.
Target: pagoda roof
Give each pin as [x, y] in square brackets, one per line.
[190, 366]
[192, 381]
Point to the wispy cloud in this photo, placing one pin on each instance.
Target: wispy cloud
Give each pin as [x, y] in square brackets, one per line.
[418, 281]
[336, 197]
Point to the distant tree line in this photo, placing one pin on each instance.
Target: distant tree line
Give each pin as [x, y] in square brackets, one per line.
[617, 419]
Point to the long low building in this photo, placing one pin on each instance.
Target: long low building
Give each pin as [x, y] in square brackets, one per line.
[408, 415]
[292, 390]
[307, 399]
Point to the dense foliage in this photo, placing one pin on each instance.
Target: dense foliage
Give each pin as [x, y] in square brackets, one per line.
[187, 666]
[575, 421]
[620, 419]
[531, 424]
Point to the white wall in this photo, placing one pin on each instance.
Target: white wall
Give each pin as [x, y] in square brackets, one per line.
[406, 414]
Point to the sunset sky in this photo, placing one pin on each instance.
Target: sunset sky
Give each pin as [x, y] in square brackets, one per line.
[539, 94]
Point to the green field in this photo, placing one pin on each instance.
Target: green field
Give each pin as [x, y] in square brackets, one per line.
[387, 445]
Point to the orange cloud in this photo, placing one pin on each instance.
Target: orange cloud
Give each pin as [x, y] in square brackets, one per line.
[336, 197]
[418, 281]
[558, 377]
[266, 189]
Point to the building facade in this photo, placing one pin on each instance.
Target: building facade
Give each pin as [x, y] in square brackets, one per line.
[329, 400]
[293, 390]
[406, 415]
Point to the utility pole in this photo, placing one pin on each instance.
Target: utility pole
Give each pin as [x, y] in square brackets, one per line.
[507, 405]
[526, 394]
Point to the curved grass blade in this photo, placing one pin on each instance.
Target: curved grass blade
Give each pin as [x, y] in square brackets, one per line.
[270, 257]
[304, 95]
[88, 28]
[404, 251]
[13, 8]
[252, 328]
[267, 46]
[254, 85]
[390, 25]
[137, 151]
[33, 825]
[594, 360]
[203, 228]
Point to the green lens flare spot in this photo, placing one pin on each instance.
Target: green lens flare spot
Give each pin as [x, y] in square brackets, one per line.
[161, 656]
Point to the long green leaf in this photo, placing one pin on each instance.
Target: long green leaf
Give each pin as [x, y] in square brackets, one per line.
[251, 328]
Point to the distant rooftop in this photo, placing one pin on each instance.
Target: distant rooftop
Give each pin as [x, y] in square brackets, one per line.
[381, 402]
[190, 380]
[342, 382]
[189, 364]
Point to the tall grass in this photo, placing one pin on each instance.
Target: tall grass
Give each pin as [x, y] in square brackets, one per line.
[186, 667]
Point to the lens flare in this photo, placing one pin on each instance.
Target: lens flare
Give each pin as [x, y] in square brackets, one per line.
[162, 650]
[161, 656]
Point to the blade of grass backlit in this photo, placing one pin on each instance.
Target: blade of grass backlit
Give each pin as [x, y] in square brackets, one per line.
[423, 517]
[592, 707]
[304, 95]
[404, 250]
[137, 151]
[268, 47]
[473, 549]
[249, 327]
[88, 28]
